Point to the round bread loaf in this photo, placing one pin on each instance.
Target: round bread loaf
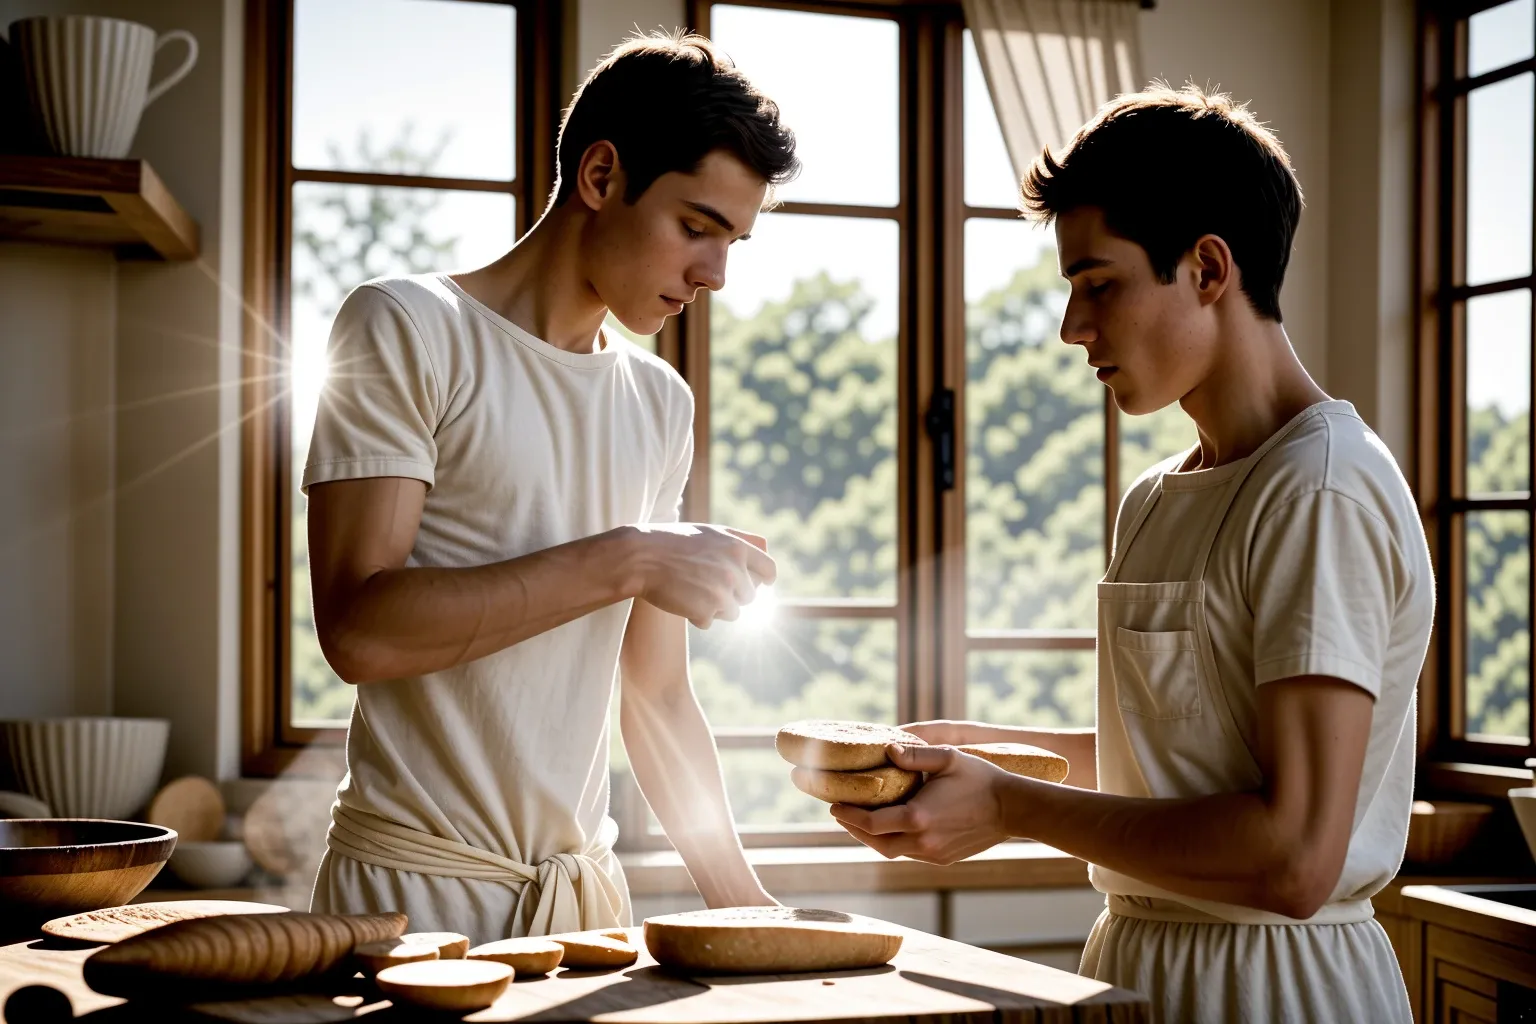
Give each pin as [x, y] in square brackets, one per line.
[374, 957]
[449, 945]
[1021, 759]
[838, 746]
[526, 956]
[595, 950]
[455, 986]
[874, 787]
[769, 940]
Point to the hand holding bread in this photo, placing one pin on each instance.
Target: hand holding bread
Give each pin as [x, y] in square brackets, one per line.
[848, 762]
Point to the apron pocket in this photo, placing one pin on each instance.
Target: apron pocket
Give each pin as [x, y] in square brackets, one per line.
[1157, 674]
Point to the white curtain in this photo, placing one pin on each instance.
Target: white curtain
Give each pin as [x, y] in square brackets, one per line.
[1050, 64]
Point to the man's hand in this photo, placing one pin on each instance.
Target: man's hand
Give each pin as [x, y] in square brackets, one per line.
[957, 812]
[699, 571]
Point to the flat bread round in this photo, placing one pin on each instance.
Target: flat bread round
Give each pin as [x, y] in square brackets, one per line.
[875, 787]
[526, 956]
[454, 985]
[769, 940]
[838, 746]
[589, 951]
[449, 945]
[114, 924]
[374, 957]
[1021, 759]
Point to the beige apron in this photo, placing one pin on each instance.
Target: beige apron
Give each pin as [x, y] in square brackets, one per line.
[1161, 701]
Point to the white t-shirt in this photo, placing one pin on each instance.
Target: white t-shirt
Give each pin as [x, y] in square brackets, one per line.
[1320, 568]
[523, 446]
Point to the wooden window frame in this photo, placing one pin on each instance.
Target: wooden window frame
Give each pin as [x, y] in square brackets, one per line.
[1439, 464]
[270, 744]
[933, 638]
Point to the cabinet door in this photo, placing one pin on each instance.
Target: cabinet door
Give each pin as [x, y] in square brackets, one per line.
[1457, 1005]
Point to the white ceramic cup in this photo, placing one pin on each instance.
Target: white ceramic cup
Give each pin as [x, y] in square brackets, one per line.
[88, 78]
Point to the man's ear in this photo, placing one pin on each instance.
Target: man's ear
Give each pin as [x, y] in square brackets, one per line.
[1215, 269]
[599, 175]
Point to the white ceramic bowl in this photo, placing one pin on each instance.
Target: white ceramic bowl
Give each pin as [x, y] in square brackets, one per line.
[84, 767]
[1524, 802]
[216, 864]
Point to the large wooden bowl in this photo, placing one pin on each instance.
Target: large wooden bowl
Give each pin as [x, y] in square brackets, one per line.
[55, 866]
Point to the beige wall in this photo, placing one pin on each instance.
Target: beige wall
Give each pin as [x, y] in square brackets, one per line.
[152, 622]
[57, 321]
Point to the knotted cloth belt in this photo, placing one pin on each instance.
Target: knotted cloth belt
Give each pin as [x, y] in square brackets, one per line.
[567, 892]
[1148, 908]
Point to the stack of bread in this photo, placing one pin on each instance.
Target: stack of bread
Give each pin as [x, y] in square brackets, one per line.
[846, 762]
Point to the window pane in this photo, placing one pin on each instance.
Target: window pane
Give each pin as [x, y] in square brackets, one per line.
[1036, 688]
[404, 86]
[765, 671]
[1498, 624]
[1500, 35]
[1498, 392]
[1499, 180]
[1147, 440]
[344, 235]
[802, 400]
[1034, 422]
[989, 178]
[834, 79]
[762, 796]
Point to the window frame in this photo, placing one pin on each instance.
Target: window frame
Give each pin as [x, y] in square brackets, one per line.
[270, 744]
[1441, 436]
[933, 637]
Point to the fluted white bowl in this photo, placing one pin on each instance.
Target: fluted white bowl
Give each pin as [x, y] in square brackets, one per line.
[213, 864]
[84, 767]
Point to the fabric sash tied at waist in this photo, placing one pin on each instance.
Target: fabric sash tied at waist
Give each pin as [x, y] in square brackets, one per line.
[566, 892]
[1148, 908]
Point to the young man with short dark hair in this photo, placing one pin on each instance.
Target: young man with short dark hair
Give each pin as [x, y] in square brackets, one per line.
[1262, 623]
[494, 486]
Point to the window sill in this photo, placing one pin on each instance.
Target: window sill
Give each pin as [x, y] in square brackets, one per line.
[1466, 779]
[1017, 865]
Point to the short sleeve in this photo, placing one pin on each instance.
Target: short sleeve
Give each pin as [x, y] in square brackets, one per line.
[378, 409]
[1322, 583]
[668, 507]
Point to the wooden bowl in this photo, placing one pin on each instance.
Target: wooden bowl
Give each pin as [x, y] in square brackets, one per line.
[55, 866]
[1439, 830]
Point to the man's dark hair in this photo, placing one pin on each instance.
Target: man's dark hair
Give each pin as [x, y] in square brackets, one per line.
[1167, 167]
[665, 102]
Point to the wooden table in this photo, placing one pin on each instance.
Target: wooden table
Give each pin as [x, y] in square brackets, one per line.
[932, 981]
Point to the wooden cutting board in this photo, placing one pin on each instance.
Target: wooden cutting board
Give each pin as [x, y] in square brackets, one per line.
[932, 981]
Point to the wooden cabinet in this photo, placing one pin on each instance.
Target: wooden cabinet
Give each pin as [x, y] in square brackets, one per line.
[1464, 959]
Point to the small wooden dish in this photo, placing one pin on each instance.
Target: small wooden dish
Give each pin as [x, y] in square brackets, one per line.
[1439, 830]
[55, 866]
[450, 985]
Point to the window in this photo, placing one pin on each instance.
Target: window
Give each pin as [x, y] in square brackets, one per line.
[895, 276]
[1475, 373]
[360, 169]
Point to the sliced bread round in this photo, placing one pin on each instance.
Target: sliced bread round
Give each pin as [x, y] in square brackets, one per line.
[874, 787]
[526, 956]
[838, 746]
[769, 940]
[1021, 759]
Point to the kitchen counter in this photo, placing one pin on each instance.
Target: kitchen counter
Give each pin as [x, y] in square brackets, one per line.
[932, 981]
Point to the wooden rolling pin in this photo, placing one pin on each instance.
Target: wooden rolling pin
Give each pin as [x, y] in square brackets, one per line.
[233, 951]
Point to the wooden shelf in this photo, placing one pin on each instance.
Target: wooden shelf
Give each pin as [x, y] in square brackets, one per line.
[119, 204]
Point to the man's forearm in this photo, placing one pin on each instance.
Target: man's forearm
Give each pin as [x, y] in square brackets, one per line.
[1227, 847]
[673, 756]
[411, 621]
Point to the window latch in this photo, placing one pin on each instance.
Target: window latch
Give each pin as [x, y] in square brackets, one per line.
[940, 422]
